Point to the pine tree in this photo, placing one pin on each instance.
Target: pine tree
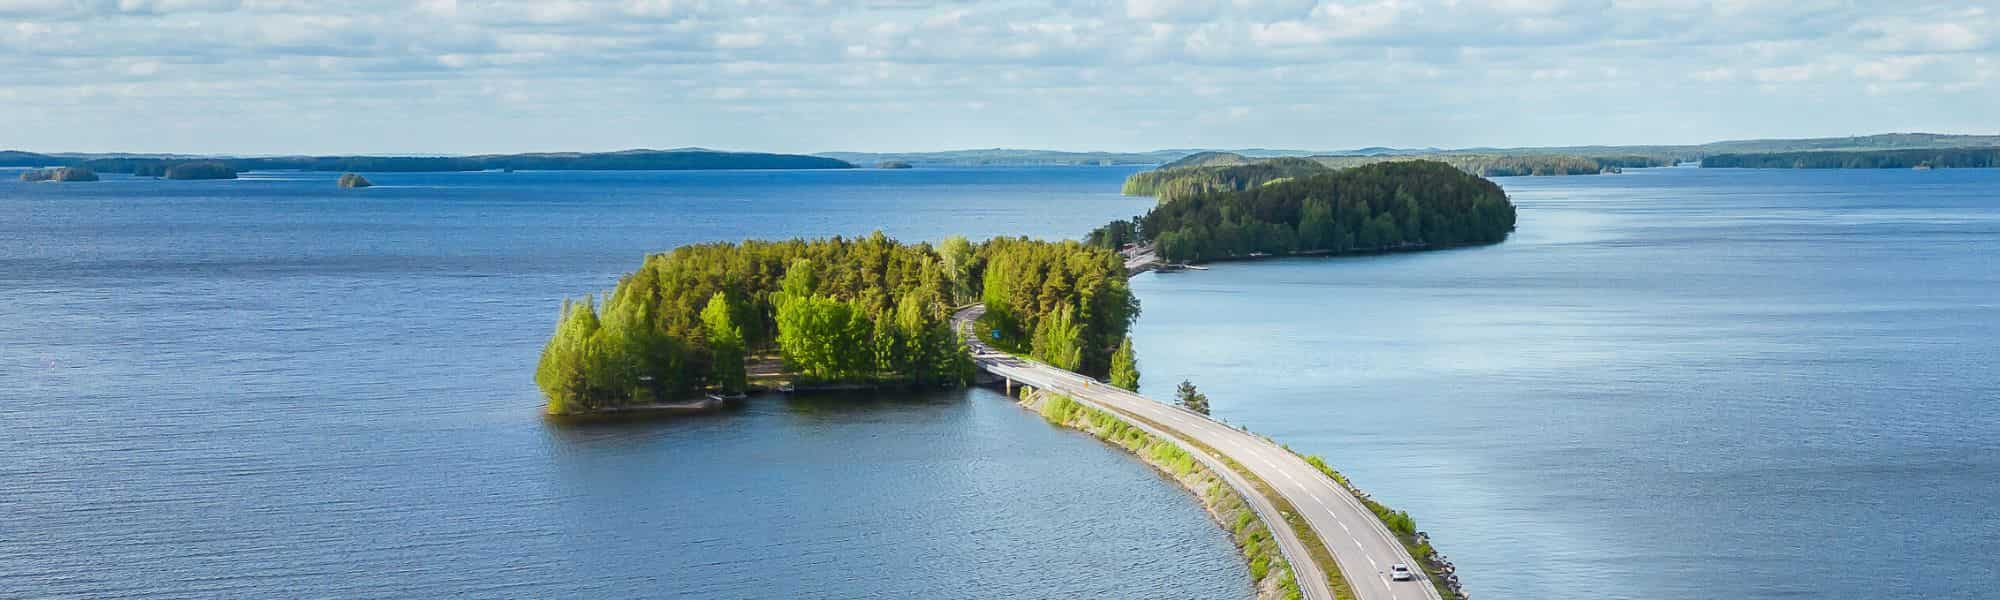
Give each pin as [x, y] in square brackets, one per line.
[1191, 398]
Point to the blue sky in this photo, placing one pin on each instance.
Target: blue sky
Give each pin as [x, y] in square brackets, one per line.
[463, 76]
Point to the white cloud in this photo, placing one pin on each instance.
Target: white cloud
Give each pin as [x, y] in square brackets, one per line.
[1062, 73]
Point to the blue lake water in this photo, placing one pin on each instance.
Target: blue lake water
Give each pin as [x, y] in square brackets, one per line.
[1672, 383]
[1668, 384]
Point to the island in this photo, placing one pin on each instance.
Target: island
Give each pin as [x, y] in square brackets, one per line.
[1223, 171]
[1382, 207]
[200, 170]
[59, 174]
[354, 180]
[893, 164]
[1048, 322]
[627, 160]
[839, 313]
[1926, 158]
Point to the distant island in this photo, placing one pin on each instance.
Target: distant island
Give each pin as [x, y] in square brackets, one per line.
[893, 164]
[833, 312]
[629, 160]
[59, 174]
[1940, 158]
[1216, 171]
[192, 170]
[1387, 206]
[353, 180]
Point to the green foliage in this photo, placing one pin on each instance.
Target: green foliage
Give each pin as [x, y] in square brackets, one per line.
[958, 256]
[825, 339]
[1125, 366]
[200, 170]
[1191, 398]
[866, 310]
[59, 174]
[1115, 235]
[725, 342]
[1170, 183]
[1387, 206]
[1063, 302]
[1942, 158]
[1057, 340]
[1260, 551]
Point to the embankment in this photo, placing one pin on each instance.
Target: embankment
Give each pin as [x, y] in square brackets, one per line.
[1269, 572]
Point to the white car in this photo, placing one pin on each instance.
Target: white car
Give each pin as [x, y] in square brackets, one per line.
[1401, 572]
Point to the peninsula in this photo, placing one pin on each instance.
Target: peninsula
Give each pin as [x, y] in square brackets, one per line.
[1383, 207]
[1051, 317]
[863, 312]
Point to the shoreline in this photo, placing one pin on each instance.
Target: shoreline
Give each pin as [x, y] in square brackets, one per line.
[1271, 577]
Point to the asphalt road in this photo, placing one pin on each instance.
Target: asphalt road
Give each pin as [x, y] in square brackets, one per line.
[1359, 542]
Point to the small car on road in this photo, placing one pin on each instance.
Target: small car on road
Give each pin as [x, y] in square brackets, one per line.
[1401, 572]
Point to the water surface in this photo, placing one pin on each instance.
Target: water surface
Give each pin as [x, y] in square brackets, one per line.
[1672, 383]
[271, 387]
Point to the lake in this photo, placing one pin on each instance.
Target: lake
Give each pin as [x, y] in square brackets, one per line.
[1672, 383]
[1669, 383]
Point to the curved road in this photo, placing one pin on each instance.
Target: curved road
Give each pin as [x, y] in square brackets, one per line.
[1359, 542]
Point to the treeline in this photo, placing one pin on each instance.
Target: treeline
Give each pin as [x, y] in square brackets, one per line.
[1489, 165]
[867, 310]
[1170, 183]
[1941, 158]
[1385, 206]
[1216, 175]
[635, 160]
[1063, 303]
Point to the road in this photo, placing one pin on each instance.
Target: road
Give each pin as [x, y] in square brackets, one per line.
[1359, 542]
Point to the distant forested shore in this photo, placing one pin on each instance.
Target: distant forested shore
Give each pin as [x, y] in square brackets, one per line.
[630, 160]
[869, 311]
[1919, 158]
[1220, 172]
[1388, 206]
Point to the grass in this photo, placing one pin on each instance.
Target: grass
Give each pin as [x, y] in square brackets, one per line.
[1270, 573]
[1399, 523]
[1317, 548]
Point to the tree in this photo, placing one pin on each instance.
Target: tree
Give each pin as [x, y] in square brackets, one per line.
[957, 256]
[1057, 340]
[1191, 398]
[725, 343]
[560, 373]
[1125, 366]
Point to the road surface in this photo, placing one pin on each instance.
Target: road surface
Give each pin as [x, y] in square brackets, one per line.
[1359, 542]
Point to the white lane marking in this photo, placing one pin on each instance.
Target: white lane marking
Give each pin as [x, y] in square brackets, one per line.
[1343, 526]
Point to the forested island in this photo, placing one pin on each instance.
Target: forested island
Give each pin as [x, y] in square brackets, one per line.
[1218, 171]
[628, 160]
[209, 169]
[1389, 206]
[59, 174]
[869, 311]
[1925, 158]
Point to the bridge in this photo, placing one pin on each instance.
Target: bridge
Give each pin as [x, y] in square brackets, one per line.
[1361, 545]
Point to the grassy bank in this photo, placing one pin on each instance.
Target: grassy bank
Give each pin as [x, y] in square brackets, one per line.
[1269, 572]
[1335, 580]
[1404, 527]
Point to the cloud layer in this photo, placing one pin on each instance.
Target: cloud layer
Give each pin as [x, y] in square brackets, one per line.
[505, 75]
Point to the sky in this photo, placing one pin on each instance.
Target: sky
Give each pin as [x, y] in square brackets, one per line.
[475, 76]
